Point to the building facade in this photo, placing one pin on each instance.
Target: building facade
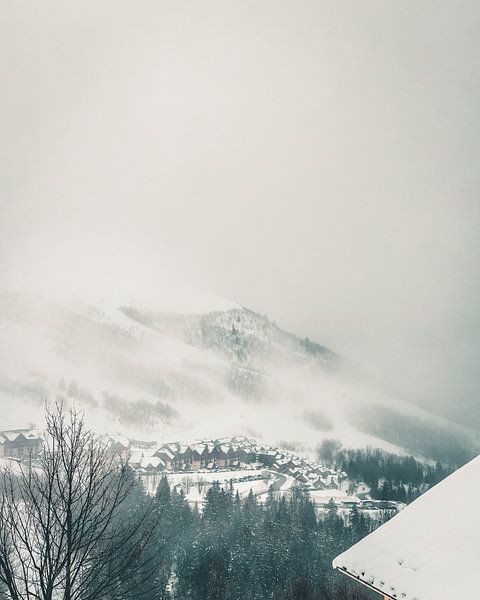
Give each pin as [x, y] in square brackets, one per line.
[20, 443]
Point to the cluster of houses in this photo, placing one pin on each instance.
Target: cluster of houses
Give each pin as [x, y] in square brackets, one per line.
[20, 444]
[312, 474]
[230, 452]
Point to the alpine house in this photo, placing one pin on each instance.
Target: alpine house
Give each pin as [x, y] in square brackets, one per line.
[429, 551]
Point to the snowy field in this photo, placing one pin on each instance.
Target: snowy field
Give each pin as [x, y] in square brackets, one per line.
[211, 476]
[195, 485]
[323, 496]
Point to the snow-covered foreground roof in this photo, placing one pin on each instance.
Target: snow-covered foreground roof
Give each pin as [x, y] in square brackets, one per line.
[429, 551]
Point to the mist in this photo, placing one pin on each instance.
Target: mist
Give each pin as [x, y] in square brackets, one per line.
[314, 161]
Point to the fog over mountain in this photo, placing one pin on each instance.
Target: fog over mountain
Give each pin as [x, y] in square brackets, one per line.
[315, 162]
[160, 367]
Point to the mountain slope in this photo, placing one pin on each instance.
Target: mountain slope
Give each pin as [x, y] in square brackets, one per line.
[217, 369]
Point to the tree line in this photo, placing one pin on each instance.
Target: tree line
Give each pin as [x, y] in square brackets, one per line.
[448, 443]
[279, 549]
[389, 476]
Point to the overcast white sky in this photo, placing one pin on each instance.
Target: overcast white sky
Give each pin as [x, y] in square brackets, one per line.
[317, 161]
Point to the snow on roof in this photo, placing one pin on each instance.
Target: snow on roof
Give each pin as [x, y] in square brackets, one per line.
[429, 551]
[151, 461]
[117, 439]
[165, 452]
[135, 457]
[13, 434]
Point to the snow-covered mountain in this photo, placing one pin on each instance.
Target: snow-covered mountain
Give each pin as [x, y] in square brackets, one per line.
[196, 366]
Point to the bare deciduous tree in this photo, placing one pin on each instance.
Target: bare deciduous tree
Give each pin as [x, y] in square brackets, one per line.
[63, 531]
[187, 483]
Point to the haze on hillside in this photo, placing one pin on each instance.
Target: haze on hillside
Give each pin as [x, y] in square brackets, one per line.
[314, 161]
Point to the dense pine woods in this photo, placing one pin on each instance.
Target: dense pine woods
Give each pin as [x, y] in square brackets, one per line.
[388, 476]
[243, 550]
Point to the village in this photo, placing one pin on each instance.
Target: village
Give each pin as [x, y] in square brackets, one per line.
[239, 462]
[220, 455]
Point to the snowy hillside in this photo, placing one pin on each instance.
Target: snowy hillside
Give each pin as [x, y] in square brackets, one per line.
[193, 367]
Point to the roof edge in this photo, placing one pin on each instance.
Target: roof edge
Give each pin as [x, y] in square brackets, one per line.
[363, 582]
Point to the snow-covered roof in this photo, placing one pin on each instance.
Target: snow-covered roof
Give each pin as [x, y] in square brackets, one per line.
[116, 439]
[430, 550]
[135, 457]
[268, 453]
[165, 452]
[151, 461]
[200, 448]
[13, 434]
